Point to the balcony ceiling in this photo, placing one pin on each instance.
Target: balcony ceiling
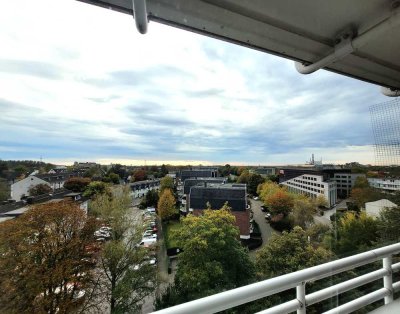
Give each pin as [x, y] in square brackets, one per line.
[303, 31]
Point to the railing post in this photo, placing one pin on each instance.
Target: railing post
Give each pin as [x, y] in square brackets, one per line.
[301, 297]
[387, 279]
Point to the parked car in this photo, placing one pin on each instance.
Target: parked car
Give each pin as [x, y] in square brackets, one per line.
[268, 217]
[255, 198]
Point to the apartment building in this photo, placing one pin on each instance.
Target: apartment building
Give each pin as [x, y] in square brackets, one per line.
[388, 185]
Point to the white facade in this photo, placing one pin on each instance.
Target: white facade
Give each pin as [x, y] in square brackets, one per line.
[374, 208]
[313, 186]
[385, 184]
[21, 188]
[345, 182]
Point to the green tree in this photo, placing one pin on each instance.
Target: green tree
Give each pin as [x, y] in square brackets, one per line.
[244, 177]
[96, 188]
[166, 205]
[76, 184]
[321, 201]
[40, 189]
[303, 212]
[20, 170]
[164, 170]
[43, 260]
[4, 190]
[167, 183]
[129, 277]
[254, 181]
[289, 252]
[361, 182]
[212, 260]
[114, 178]
[150, 200]
[388, 225]
[353, 234]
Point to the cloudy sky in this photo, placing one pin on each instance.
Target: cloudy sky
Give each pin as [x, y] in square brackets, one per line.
[79, 82]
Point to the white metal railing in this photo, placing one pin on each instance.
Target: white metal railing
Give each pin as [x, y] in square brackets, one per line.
[229, 299]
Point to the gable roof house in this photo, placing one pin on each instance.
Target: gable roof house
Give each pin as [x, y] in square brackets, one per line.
[21, 187]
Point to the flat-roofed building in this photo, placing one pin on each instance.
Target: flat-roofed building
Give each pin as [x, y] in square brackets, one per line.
[216, 195]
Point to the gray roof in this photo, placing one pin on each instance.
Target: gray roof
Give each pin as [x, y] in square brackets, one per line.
[218, 195]
[196, 181]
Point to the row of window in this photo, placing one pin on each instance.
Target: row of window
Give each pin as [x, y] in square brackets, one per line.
[306, 187]
[309, 178]
[308, 183]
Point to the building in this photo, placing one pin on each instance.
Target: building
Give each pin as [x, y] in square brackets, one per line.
[264, 171]
[21, 188]
[189, 183]
[140, 188]
[54, 180]
[374, 208]
[345, 182]
[198, 173]
[313, 185]
[388, 185]
[216, 195]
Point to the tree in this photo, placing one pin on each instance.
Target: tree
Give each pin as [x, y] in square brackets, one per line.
[388, 224]
[20, 170]
[254, 181]
[321, 201]
[129, 278]
[4, 190]
[244, 177]
[95, 188]
[77, 184]
[363, 195]
[289, 252]
[166, 205]
[40, 189]
[266, 189]
[164, 170]
[303, 212]
[114, 178]
[280, 202]
[353, 234]
[167, 183]
[139, 175]
[43, 260]
[150, 200]
[212, 260]
[361, 182]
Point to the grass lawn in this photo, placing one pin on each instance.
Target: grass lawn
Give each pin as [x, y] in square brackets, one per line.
[172, 225]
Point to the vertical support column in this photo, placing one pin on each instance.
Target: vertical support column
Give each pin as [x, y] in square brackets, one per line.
[301, 297]
[387, 279]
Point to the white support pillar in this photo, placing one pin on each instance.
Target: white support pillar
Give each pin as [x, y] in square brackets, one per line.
[301, 297]
[387, 279]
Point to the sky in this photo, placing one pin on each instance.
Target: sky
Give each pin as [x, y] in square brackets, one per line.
[79, 83]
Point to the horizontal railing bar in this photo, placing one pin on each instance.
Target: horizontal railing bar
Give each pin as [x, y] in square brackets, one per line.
[396, 267]
[286, 307]
[360, 302]
[231, 298]
[332, 291]
[396, 286]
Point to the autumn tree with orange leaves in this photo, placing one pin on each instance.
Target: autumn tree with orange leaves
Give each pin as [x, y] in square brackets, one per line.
[280, 202]
[46, 260]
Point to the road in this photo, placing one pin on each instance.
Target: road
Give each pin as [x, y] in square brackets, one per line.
[265, 228]
[325, 219]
